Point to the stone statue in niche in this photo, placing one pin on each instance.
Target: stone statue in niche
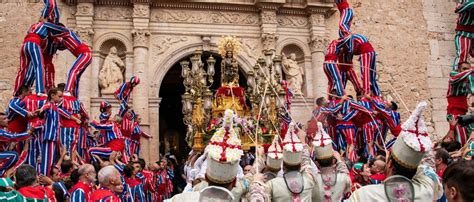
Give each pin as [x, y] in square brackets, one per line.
[111, 74]
[293, 73]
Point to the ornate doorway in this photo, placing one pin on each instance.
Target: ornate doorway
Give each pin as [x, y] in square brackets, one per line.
[172, 130]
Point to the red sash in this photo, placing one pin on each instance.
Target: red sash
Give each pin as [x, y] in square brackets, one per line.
[33, 38]
[83, 48]
[343, 5]
[116, 145]
[466, 28]
[457, 105]
[18, 124]
[366, 48]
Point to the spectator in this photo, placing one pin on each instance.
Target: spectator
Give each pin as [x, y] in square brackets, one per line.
[111, 185]
[27, 184]
[458, 183]
[442, 160]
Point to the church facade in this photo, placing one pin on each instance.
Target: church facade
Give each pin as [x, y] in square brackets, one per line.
[151, 37]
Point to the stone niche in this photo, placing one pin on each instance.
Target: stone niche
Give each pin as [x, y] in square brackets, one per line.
[104, 52]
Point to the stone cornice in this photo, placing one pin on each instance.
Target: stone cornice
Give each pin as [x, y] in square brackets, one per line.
[309, 8]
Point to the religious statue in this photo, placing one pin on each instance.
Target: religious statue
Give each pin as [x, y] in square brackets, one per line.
[293, 72]
[111, 74]
[230, 73]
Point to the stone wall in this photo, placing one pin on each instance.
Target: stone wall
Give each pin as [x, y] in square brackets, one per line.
[440, 19]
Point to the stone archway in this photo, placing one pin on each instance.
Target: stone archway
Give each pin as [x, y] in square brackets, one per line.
[170, 118]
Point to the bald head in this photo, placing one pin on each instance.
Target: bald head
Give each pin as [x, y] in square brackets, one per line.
[106, 174]
[377, 167]
[87, 173]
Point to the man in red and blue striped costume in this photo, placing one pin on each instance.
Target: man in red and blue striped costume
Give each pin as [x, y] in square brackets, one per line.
[461, 84]
[114, 140]
[50, 11]
[33, 104]
[31, 56]
[9, 158]
[17, 113]
[357, 44]
[83, 58]
[70, 127]
[126, 127]
[111, 185]
[346, 16]
[82, 190]
[136, 136]
[50, 130]
[338, 74]
[123, 94]
[53, 44]
[368, 124]
[464, 32]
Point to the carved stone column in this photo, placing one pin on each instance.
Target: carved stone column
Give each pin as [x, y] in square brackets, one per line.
[84, 23]
[268, 18]
[318, 43]
[141, 40]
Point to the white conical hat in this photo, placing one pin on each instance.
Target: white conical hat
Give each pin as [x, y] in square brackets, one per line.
[224, 152]
[275, 155]
[292, 146]
[414, 141]
[322, 144]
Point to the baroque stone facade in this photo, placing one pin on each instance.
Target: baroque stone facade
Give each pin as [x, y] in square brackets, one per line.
[413, 40]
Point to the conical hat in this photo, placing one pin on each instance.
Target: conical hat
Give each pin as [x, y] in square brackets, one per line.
[275, 155]
[292, 146]
[224, 152]
[322, 144]
[414, 141]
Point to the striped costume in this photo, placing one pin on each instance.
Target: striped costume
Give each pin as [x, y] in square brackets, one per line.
[339, 74]
[80, 192]
[123, 94]
[104, 195]
[137, 133]
[464, 32]
[345, 20]
[52, 46]
[34, 102]
[136, 189]
[164, 184]
[83, 59]
[114, 140]
[126, 127]
[17, 115]
[31, 57]
[50, 11]
[10, 157]
[49, 138]
[69, 128]
[357, 44]
[82, 145]
[461, 84]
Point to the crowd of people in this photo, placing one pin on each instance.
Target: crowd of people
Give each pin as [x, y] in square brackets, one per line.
[354, 149]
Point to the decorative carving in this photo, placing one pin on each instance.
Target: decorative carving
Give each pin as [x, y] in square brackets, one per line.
[292, 21]
[162, 45]
[113, 13]
[111, 74]
[268, 16]
[216, 17]
[85, 9]
[269, 41]
[85, 34]
[317, 19]
[250, 46]
[293, 72]
[318, 43]
[141, 10]
[140, 38]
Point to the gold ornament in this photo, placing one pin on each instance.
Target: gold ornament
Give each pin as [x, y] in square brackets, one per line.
[229, 43]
